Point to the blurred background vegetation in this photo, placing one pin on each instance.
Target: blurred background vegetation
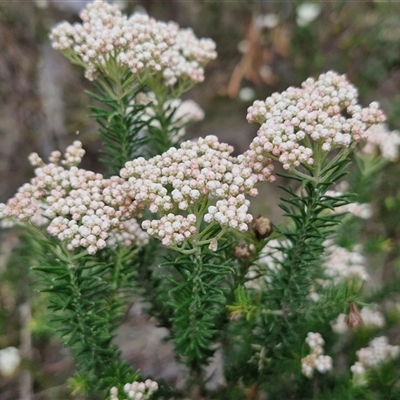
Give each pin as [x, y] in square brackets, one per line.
[263, 47]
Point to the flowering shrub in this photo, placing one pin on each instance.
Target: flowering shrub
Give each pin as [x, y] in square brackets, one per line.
[230, 282]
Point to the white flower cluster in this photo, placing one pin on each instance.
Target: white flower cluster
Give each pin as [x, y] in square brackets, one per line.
[28, 202]
[341, 264]
[231, 212]
[371, 318]
[136, 390]
[316, 360]
[144, 46]
[9, 361]
[315, 341]
[360, 210]
[291, 118]
[379, 351]
[128, 233]
[171, 228]
[185, 179]
[381, 139]
[4, 221]
[75, 202]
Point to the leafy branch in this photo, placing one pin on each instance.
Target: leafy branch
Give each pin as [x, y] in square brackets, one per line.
[121, 123]
[198, 300]
[285, 304]
[87, 298]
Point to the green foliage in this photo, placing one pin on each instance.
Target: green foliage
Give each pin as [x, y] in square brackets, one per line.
[193, 293]
[313, 223]
[151, 282]
[164, 130]
[280, 313]
[87, 296]
[121, 121]
[198, 298]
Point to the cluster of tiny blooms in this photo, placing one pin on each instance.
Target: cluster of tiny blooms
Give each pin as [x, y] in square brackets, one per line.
[128, 233]
[76, 203]
[360, 210]
[379, 351]
[37, 219]
[182, 112]
[293, 120]
[139, 44]
[341, 264]
[136, 390]
[316, 360]
[179, 183]
[371, 319]
[381, 139]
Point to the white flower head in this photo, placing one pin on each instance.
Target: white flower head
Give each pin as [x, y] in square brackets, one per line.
[316, 360]
[140, 44]
[184, 176]
[136, 390]
[79, 207]
[298, 121]
[381, 139]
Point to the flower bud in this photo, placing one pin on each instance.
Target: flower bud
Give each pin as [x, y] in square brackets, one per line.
[262, 227]
[354, 319]
[242, 252]
[213, 245]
